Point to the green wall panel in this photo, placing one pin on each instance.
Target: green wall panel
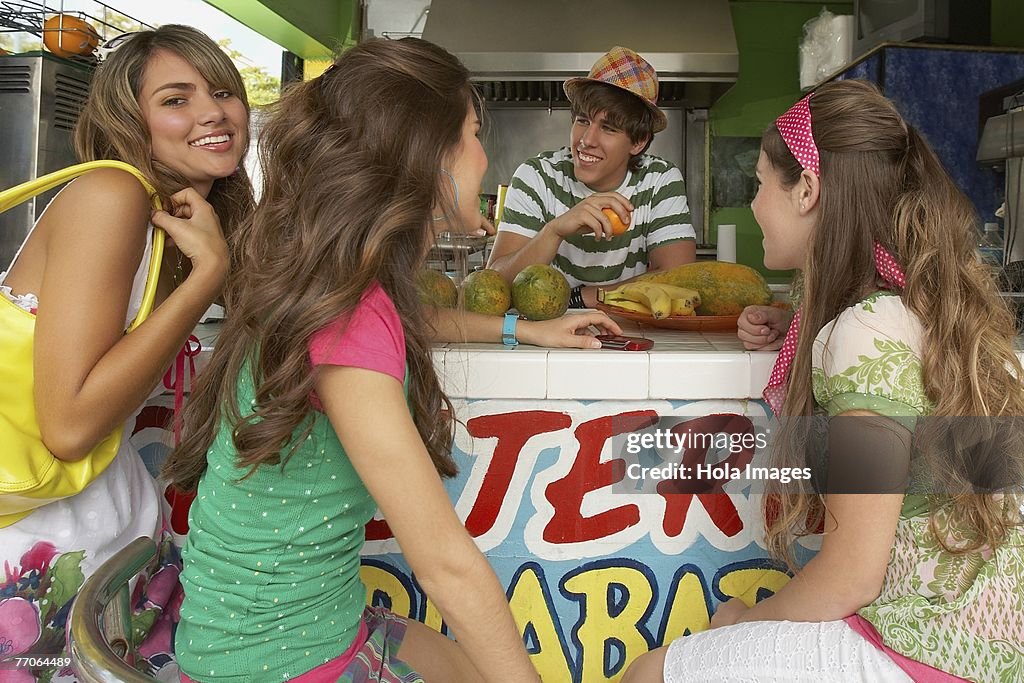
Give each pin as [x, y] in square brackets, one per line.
[311, 29]
[768, 34]
[1008, 23]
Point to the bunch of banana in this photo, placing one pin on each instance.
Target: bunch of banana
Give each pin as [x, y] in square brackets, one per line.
[652, 298]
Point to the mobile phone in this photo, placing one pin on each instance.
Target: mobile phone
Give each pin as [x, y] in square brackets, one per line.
[619, 343]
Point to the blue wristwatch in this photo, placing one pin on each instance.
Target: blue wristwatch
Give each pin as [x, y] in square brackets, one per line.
[508, 330]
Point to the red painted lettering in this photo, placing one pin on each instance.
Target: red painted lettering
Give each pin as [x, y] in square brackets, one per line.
[679, 493]
[512, 430]
[588, 473]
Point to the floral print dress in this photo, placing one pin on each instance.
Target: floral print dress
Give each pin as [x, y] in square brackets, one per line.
[963, 614]
[47, 555]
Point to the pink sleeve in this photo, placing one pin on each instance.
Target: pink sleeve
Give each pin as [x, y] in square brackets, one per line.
[373, 338]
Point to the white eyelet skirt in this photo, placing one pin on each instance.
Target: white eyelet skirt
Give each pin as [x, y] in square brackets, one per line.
[757, 652]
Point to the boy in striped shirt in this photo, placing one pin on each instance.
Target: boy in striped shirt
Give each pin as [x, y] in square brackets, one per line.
[553, 209]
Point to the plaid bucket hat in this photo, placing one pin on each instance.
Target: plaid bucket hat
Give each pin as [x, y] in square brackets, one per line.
[625, 69]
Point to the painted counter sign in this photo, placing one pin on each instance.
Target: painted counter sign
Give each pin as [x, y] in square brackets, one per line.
[596, 574]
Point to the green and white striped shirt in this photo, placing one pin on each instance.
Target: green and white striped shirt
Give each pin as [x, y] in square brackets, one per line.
[545, 187]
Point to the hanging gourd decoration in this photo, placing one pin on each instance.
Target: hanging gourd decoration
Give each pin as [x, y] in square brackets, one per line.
[68, 36]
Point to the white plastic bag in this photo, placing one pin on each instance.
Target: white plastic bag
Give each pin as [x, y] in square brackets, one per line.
[826, 47]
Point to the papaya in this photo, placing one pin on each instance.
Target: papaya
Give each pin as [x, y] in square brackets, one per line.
[725, 288]
[436, 289]
[540, 292]
[485, 291]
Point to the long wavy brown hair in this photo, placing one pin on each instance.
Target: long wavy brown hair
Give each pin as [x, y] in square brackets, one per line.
[881, 182]
[111, 124]
[353, 168]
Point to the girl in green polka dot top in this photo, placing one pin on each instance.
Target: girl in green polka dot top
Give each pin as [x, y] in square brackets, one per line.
[320, 403]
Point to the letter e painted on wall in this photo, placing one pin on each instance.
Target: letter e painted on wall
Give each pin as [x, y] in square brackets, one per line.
[588, 473]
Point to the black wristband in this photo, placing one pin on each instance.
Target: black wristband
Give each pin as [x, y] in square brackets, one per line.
[576, 298]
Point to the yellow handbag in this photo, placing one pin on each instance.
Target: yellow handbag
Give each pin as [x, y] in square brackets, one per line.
[30, 476]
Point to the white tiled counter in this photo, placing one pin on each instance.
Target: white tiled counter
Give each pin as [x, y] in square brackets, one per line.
[682, 365]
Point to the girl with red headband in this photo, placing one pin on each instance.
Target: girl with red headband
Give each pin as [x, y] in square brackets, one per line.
[903, 330]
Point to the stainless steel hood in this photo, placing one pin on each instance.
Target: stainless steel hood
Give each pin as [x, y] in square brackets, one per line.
[520, 52]
[1002, 138]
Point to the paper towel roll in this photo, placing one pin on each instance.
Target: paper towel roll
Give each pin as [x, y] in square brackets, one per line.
[727, 243]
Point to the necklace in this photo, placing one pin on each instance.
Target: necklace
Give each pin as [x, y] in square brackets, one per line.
[177, 270]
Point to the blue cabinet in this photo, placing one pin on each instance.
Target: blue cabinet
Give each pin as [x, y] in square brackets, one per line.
[936, 88]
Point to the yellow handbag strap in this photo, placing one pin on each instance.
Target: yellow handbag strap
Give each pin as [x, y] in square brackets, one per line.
[20, 193]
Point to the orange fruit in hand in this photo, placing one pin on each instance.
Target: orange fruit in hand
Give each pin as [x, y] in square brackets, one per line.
[618, 227]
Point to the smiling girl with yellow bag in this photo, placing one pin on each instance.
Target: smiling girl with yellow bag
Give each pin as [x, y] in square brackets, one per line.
[73, 490]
